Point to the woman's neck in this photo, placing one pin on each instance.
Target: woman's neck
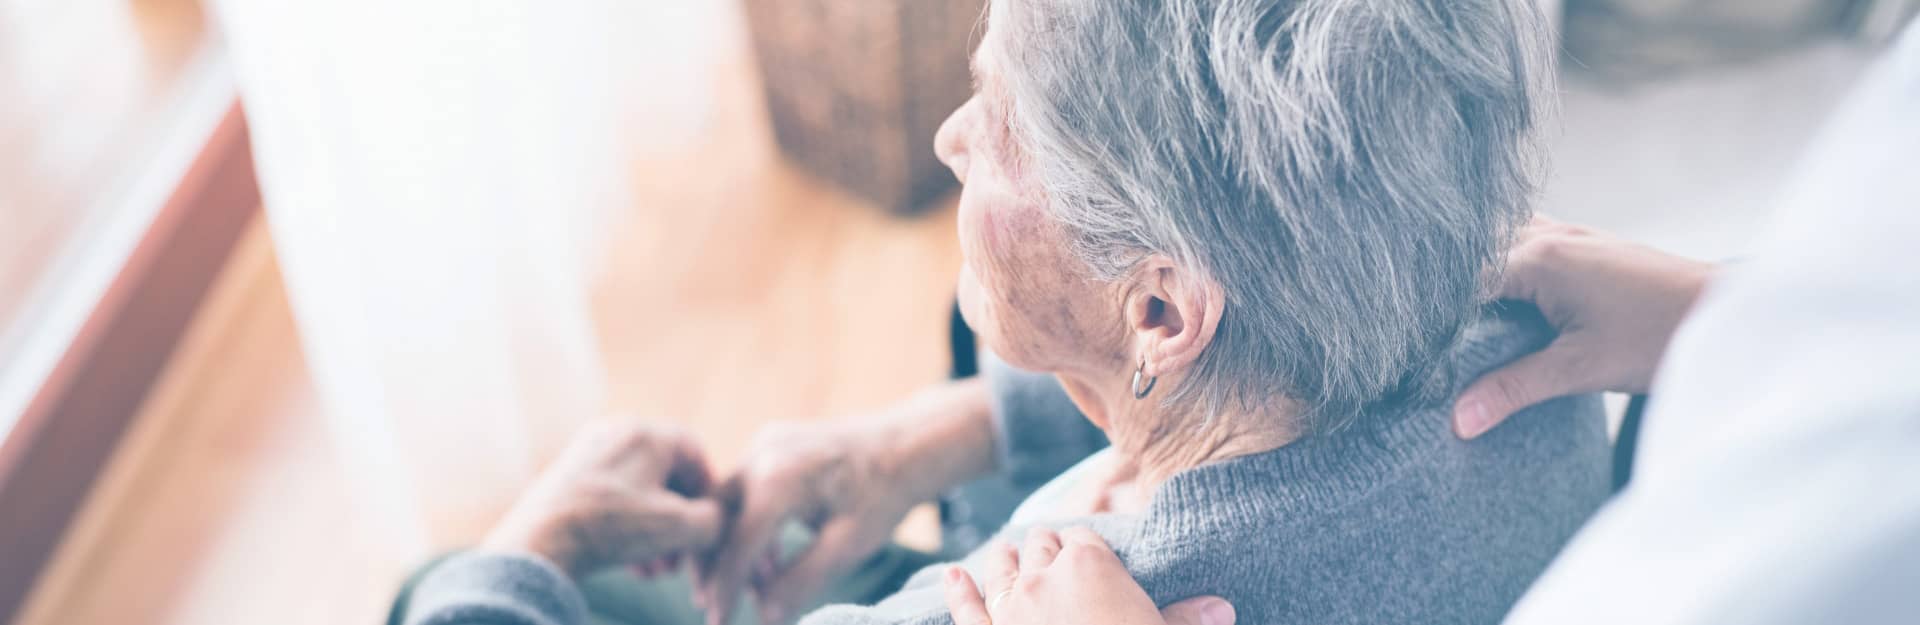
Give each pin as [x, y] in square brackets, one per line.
[1163, 440]
[1164, 445]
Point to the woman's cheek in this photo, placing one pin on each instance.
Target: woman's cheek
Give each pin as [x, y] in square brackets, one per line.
[971, 299]
[971, 223]
[983, 304]
[1009, 284]
[982, 283]
[998, 327]
[974, 296]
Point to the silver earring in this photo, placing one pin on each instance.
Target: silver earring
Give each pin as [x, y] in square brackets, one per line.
[1141, 393]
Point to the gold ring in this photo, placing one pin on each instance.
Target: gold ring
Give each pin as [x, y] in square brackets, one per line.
[994, 604]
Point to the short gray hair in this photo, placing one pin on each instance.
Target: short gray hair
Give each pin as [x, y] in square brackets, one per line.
[1348, 171]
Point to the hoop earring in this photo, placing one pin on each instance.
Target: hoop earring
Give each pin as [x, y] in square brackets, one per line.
[1141, 393]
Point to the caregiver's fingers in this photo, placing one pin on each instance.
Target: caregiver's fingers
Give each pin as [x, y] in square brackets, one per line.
[1537, 255]
[964, 600]
[1083, 548]
[1042, 545]
[1533, 378]
[999, 569]
[1197, 611]
[1083, 551]
[1614, 303]
[1082, 535]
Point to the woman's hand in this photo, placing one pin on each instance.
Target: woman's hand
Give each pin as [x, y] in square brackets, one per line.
[1616, 305]
[852, 481]
[1069, 577]
[619, 494]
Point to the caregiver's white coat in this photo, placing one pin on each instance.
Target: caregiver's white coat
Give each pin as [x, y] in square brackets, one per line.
[1778, 478]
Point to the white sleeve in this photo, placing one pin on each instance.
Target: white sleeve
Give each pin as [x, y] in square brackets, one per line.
[1778, 477]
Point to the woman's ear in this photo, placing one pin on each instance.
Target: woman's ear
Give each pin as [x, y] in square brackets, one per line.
[1172, 313]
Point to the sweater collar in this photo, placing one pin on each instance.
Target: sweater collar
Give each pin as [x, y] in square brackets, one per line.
[1323, 471]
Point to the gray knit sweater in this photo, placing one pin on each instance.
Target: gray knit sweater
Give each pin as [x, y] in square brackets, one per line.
[1395, 522]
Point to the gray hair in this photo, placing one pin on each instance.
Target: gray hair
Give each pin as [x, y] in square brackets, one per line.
[1348, 171]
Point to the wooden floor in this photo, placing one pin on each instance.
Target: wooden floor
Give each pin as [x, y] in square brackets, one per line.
[739, 291]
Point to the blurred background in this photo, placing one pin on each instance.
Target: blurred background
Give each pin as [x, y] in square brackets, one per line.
[294, 296]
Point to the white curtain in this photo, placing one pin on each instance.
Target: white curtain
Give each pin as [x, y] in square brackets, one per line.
[437, 175]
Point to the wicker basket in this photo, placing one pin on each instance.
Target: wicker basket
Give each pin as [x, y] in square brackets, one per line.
[857, 88]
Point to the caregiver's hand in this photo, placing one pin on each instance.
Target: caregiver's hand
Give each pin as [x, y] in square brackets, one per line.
[1616, 305]
[621, 493]
[852, 482]
[1066, 578]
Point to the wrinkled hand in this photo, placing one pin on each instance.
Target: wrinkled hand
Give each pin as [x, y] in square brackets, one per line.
[1616, 305]
[1069, 577]
[836, 478]
[620, 493]
[851, 481]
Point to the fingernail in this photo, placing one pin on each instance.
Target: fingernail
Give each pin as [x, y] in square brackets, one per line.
[1470, 418]
[953, 575]
[1216, 612]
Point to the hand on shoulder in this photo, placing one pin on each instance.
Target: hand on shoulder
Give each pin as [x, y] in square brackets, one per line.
[1071, 577]
[1616, 305]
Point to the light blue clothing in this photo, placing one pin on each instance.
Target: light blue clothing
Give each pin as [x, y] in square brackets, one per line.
[1038, 507]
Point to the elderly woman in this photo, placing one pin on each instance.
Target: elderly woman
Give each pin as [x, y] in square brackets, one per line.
[1249, 241]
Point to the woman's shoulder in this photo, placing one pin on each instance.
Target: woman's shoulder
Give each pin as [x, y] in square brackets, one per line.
[1381, 521]
[1383, 526]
